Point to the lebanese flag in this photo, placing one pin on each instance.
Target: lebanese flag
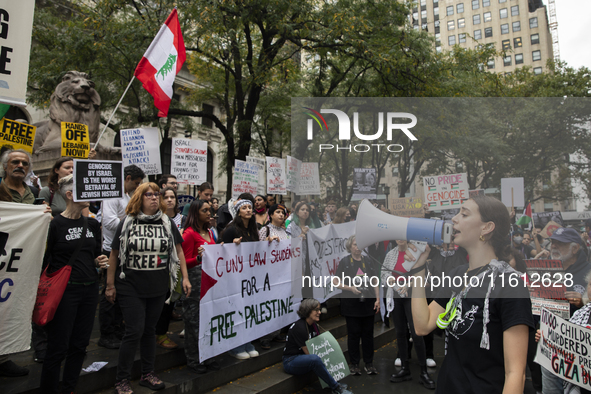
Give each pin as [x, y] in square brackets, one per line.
[162, 62]
[526, 218]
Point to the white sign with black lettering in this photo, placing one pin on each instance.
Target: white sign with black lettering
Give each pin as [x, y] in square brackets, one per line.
[97, 180]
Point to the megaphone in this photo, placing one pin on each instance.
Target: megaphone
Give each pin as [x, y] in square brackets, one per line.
[373, 225]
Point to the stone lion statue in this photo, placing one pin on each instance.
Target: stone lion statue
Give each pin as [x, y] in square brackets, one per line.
[74, 100]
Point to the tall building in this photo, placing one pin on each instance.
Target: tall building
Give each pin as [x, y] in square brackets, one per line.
[520, 28]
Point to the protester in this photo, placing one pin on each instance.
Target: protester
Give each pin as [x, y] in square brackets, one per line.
[64, 166]
[299, 227]
[261, 211]
[140, 277]
[168, 180]
[69, 332]
[215, 205]
[352, 214]
[392, 269]
[314, 219]
[112, 212]
[331, 208]
[358, 305]
[197, 232]
[227, 212]
[487, 326]
[520, 244]
[297, 359]
[342, 216]
[270, 200]
[205, 191]
[242, 229]
[172, 205]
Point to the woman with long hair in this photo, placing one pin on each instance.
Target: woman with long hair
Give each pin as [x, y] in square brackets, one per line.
[487, 325]
[341, 216]
[69, 332]
[205, 191]
[261, 213]
[299, 227]
[146, 256]
[196, 233]
[171, 201]
[63, 167]
[242, 229]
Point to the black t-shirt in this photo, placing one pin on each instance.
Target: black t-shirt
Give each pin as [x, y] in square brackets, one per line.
[353, 305]
[468, 368]
[146, 268]
[232, 232]
[297, 336]
[62, 241]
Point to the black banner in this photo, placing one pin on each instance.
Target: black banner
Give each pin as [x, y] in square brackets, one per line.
[97, 180]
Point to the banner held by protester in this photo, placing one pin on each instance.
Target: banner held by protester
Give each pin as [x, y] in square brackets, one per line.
[245, 179]
[17, 135]
[546, 287]
[188, 162]
[445, 191]
[97, 180]
[75, 140]
[276, 178]
[328, 349]
[142, 148]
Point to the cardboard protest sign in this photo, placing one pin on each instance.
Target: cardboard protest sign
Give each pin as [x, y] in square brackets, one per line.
[294, 167]
[98, 180]
[23, 236]
[543, 218]
[16, 26]
[546, 287]
[16, 134]
[276, 177]
[246, 292]
[564, 349]
[262, 184]
[445, 191]
[549, 229]
[245, 179]
[408, 207]
[365, 183]
[188, 161]
[142, 148]
[309, 180]
[75, 140]
[512, 192]
[328, 349]
[326, 248]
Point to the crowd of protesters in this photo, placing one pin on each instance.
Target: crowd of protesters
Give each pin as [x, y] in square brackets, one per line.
[137, 301]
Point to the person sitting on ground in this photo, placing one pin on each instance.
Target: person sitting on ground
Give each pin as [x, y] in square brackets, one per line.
[297, 359]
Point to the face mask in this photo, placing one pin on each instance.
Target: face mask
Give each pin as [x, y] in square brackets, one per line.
[518, 240]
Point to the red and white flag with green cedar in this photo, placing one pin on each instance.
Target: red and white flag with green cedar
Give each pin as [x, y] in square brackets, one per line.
[526, 218]
[162, 62]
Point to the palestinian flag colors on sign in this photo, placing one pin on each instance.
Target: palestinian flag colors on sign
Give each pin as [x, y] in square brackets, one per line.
[162, 62]
[432, 188]
[526, 218]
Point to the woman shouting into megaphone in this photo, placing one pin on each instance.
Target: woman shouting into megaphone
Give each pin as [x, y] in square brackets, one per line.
[487, 316]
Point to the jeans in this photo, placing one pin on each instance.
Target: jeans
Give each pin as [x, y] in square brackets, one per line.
[304, 363]
[191, 318]
[551, 384]
[403, 316]
[141, 316]
[68, 335]
[360, 328]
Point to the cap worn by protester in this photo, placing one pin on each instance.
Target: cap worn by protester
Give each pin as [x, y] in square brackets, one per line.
[567, 235]
[275, 207]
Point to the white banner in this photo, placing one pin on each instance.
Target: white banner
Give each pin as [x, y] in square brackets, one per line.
[294, 167]
[276, 179]
[245, 179]
[326, 248]
[262, 186]
[188, 161]
[565, 349]
[246, 293]
[309, 180]
[445, 191]
[23, 235]
[142, 148]
[16, 26]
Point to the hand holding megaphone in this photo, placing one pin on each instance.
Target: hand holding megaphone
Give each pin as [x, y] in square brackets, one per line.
[416, 255]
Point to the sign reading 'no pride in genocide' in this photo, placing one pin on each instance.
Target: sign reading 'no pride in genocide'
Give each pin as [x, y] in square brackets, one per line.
[97, 180]
[327, 348]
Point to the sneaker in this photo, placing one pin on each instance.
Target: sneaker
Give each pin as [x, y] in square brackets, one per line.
[398, 362]
[341, 389]
[123, 387]
[355, 370]
[265, 344]
[11, 370]
[431, 363]
[109, 343]
[370, 369]
[240, 356]
[200, 368]
[151, 381]
[253, 353]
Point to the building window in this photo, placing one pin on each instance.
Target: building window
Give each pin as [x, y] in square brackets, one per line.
[208, 109]
[506, 45]
[533, 22]
[450, 10]
[514, 10]
[424, 14]
[477, 34]
[488, 32]
[516, 26]
[461, 23]
[535, 39]
[437, 27]
[519, 58]
[505, 28]
[476, 19]
[485, 3]
[438, 39]
[451, 25]
[436, 11]
[460, 8]
[517, 42]
[438, 49]
[502, 1]
[536, 55]
[462, 37]
[423, 3]
[503, 13]
[451, 40]
[487, 17]
[538, 70]
[490, 64]
[507, 60]
[475, 4]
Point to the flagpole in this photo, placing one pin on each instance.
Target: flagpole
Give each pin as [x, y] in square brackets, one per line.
[115, 110]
